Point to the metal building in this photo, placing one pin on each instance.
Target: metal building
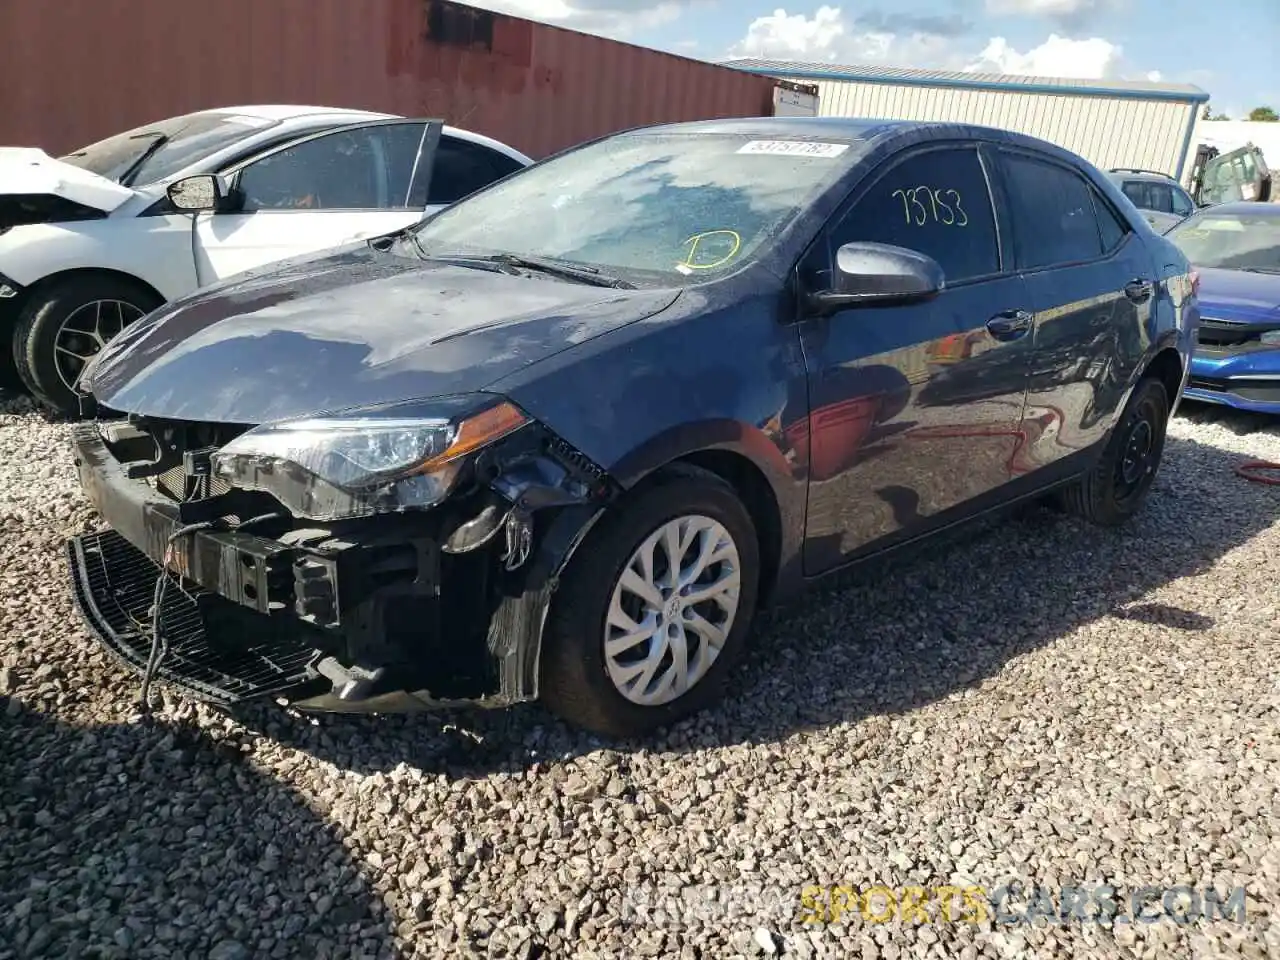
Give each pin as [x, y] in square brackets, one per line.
[1112, 123]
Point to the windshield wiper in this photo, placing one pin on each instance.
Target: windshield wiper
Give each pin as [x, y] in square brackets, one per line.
[458, 259]
[512, 263]
[1260, 269]
[126, 179]
[565, 269]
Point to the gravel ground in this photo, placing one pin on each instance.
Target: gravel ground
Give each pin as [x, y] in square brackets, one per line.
[1040, 702]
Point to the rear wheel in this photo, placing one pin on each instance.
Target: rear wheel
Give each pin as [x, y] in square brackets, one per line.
[654, 610]
[64, 324]
[1118, 485]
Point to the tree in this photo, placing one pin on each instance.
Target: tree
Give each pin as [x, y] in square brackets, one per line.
[1208, 114]
[1264, 114]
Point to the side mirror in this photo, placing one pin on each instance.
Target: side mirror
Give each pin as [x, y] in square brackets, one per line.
[878, 274]
[198, 194]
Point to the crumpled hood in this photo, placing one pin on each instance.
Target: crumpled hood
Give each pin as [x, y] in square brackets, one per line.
[1239, 295]
[349, 328]
[31, 174]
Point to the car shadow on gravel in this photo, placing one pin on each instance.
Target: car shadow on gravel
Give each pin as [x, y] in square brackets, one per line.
[884, 639]
[153, 839]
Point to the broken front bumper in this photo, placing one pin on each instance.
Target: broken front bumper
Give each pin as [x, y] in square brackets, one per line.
[370, 617]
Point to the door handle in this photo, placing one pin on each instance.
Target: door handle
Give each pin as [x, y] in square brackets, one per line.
[1010, 324]
[1139, 290]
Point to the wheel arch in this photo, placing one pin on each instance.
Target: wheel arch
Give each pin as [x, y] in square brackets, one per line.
[15, 305]
[1167, 366]
[751, 461]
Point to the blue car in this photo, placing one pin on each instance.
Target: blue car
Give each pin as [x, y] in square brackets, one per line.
[563, 440]
[1236, 248]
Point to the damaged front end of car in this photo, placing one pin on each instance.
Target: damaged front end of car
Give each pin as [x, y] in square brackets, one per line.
[382, 560]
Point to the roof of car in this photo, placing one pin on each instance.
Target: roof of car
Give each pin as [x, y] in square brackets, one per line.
[287, 111]
[1119, 175]
[845, 128]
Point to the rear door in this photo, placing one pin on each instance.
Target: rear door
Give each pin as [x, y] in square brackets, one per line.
[915, 410]
[321, 192]
[1092, 284]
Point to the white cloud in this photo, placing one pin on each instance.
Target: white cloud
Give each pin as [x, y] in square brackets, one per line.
[828, 35]
[614, 18]
[1041, 8]
[1056, 57]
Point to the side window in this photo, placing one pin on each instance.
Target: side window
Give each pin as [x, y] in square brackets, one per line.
[1182, 204]
[937, 203]
[368, 168]
[1111, 227]
[462, 168]
[1053, 213]
[1161, 197]
[1136, 190]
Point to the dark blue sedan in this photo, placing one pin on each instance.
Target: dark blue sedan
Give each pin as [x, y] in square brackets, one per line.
[564, 439]
[1236, 248]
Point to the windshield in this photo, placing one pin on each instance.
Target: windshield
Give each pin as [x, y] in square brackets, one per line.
[655, 208]
[189, 138]
[1231, 241]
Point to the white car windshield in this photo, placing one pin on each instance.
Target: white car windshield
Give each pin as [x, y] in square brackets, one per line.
[151, 153]
[654, 208]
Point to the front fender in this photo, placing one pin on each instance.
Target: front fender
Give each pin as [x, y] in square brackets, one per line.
[155, 250]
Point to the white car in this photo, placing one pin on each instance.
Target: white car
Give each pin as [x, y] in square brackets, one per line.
[94, 240]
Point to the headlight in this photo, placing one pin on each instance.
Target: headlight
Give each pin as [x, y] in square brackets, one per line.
[1271, 338]
[378, 461]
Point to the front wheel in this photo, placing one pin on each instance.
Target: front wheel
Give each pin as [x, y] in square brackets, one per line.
[65, 324]
[654, 610]
[1117, 487]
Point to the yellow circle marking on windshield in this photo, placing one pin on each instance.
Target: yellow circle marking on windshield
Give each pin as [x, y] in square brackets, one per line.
[695, 243]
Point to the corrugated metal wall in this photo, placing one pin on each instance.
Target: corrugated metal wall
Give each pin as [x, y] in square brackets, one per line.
[74, 71]
[1108, 132]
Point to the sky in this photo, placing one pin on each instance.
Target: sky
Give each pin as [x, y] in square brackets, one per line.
[1228, 51]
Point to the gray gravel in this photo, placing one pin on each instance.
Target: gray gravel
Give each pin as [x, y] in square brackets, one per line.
[1040, 701]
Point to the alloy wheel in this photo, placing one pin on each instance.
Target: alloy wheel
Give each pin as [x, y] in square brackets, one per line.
[671, 610]
[85, 332]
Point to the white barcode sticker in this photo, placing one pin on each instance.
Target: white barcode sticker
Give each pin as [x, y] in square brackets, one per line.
[794, 148]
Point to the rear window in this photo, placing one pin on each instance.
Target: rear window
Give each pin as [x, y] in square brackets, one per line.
[190, 137]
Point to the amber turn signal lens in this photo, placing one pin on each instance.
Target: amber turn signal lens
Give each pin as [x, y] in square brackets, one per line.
[478, 431]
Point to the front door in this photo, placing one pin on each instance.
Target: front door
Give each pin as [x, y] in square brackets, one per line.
[915, 411]
[322, 192]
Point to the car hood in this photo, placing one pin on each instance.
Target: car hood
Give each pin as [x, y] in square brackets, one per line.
[36, 188]
[345, 329]
[1239, 295]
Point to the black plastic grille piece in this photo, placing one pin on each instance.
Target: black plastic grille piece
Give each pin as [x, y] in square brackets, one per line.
[218, 650]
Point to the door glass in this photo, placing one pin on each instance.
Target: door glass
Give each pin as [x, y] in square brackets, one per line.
[462, 168]
[936, 203]
[1053, 216]
[368, 168]
[1136, 190]
[1112, 228]
[1161, 197]
[1182, 205]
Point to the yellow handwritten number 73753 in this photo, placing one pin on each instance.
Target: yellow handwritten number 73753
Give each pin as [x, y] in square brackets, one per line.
[923, 204]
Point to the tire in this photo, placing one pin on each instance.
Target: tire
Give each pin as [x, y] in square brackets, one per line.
[1112, 492]
[575, 675]
[43, 367]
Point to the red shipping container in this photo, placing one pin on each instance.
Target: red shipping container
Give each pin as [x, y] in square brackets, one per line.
[75, 71]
